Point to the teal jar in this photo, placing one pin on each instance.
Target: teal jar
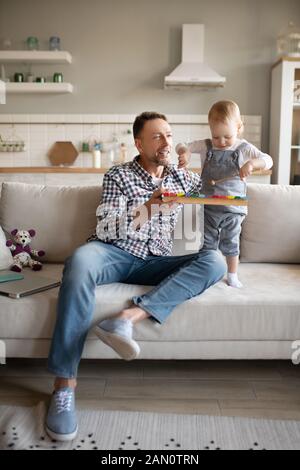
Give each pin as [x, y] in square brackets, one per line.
[32, 43]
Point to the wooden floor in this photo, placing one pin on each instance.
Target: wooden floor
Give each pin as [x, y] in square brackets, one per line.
[260, 389]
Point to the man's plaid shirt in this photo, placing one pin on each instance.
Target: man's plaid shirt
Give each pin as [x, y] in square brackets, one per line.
[127, 187]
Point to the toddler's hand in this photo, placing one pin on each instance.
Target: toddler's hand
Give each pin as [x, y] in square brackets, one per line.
[184, 155]
[184, 160]
[246, 170]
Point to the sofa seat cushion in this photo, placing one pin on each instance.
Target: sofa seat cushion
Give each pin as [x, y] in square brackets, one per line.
[267, 308]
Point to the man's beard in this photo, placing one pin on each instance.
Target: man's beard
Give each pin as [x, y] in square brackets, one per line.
[159, 160]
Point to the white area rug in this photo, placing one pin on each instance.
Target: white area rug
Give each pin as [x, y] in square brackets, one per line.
[23, 428]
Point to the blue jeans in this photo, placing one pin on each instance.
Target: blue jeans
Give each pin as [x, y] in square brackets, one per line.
[177, 278]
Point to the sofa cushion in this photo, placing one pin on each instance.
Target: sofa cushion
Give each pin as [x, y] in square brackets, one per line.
[271, 231]
[5, 253]
[63, 216]
[49, 208]
[267, 309]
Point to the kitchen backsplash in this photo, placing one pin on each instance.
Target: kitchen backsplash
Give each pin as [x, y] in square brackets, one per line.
[40, 132]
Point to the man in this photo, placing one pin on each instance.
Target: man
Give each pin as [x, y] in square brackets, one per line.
[133, 245]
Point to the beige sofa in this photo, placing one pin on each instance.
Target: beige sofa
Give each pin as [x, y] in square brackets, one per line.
[260, 321]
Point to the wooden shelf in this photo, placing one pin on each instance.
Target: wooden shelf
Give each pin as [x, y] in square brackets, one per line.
[40, 57]
[49, 169]
[208, 201]
[255, 173]
[39, 88]
[37, 57]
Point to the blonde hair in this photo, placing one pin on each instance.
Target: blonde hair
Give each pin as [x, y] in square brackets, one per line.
[224, 111]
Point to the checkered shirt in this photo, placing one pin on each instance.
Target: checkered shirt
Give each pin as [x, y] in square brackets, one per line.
[127, 187]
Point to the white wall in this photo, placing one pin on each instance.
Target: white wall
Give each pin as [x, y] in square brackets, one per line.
[122, 50]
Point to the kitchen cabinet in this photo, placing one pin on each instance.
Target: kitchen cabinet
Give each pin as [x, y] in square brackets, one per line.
[285, 122]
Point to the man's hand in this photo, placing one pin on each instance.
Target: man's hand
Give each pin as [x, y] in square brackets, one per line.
[155, 203]
[152, 207]
[156, 199]
[246, 170]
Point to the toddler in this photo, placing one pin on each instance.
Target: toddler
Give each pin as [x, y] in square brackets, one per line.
[226, 161]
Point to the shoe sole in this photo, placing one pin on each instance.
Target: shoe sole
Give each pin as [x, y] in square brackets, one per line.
[62, 437]
[126, 349]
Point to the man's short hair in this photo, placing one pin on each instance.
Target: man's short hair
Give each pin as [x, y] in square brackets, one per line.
[141, 120]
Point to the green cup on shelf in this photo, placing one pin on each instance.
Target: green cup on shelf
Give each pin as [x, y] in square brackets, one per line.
[18, 77]
[58, 78]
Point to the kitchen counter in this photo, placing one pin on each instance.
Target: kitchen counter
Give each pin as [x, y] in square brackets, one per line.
[48, 169]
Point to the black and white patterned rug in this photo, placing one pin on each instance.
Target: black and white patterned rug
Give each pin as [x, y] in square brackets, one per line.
[22, 428]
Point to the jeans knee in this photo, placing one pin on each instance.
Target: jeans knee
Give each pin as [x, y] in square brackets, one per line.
[79, 265]
[77, 259]
[216, 263]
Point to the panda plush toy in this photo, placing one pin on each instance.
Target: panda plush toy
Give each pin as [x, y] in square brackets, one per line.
[21, 251]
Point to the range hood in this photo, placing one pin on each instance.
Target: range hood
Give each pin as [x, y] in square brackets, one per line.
[193, 72]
